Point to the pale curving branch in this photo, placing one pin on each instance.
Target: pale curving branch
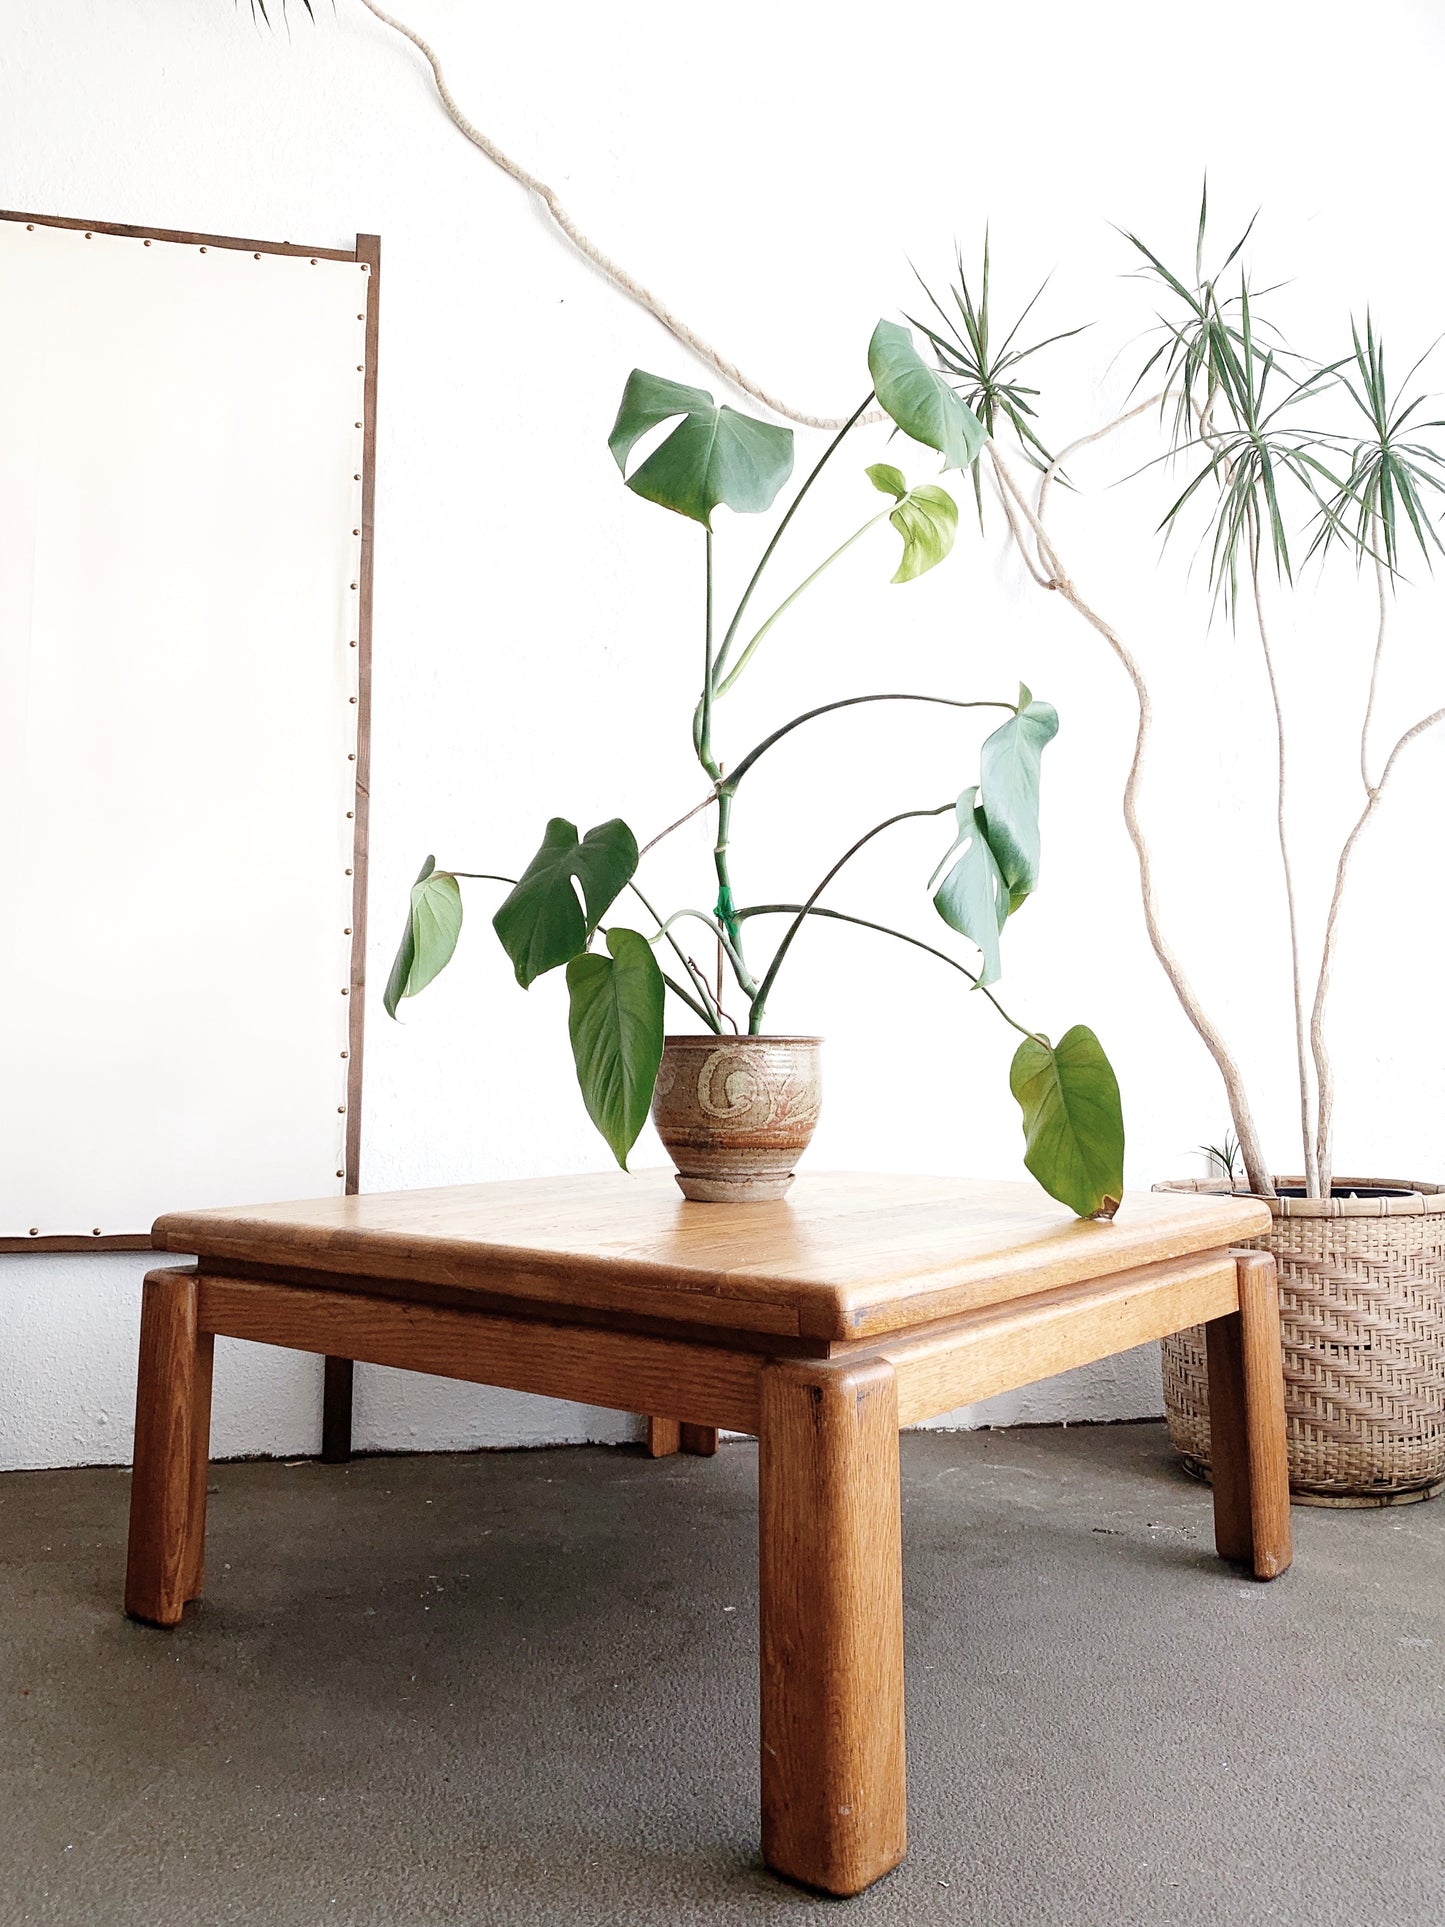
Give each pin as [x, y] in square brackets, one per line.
[1308, 1139]
[1057, 578]
[613, 270]
[1374, 676]
[1083, 441]
[1323, 1068]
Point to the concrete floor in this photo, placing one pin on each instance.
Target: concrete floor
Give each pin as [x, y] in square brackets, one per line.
[519, 1688]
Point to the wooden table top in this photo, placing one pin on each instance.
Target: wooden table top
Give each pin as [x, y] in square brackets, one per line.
[845, 1255]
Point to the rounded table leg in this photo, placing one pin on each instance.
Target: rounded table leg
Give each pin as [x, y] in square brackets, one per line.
[831, 1599]
[166, 1551]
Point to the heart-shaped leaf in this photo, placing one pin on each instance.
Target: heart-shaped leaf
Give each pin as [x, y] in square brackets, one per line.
[973, 898]
[542, 923]
[926, 518]
[615, 1023]
[921, 401]
[433, 925]
[713, 455]
[1010, 766]
[1073, 1120]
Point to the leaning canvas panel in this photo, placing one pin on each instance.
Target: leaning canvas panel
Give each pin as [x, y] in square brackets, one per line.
[180, 515]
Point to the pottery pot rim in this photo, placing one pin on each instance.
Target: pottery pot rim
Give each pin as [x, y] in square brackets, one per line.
[714, 1041]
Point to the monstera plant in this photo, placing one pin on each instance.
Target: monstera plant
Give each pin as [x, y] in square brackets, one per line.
[556, 915]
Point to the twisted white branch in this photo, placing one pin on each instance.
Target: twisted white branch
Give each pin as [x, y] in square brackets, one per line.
[1056, 577]
[1308, 1140]
[615, 272]
[1323, 1069]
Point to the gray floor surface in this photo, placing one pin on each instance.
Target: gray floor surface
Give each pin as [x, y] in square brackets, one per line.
[519, 1688]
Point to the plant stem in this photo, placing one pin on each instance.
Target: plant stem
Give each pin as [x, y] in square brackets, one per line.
[1050, 572]
[704, 740]
[710, 1017]
[746, 657]
[696, 810]
[760, 999]
[691, 1002]
[777, 536]
[887, 930]
[1312, 1169]
[711, 925]
[711, 689]
[849, 702]
[726, 920]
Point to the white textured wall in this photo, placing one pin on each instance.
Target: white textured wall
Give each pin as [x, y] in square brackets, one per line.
[536, 646]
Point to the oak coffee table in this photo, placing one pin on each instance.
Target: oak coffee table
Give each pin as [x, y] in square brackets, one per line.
[821, 1323]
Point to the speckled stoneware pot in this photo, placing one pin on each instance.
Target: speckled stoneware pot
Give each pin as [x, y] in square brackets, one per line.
[737, 1113]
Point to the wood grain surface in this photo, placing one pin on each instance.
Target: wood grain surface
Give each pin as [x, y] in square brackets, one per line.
[998, 1349]
[1248, 1456]
[1263, 1370]
[835, 1812]
[165, 1554]
[626, 1371]
[844, 1256]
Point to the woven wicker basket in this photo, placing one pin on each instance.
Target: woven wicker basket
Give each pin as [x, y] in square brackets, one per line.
[1362, 1310]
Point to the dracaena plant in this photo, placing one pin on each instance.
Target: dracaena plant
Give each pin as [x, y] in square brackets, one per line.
[558, 914]
[1284, 458]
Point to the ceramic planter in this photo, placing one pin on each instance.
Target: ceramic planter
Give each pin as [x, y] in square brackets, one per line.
[736, 1113]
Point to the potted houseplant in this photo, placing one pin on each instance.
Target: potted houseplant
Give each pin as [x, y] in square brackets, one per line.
[1284, 459]
[734, 1105]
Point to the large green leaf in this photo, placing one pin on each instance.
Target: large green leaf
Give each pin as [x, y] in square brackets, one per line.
[542, 924]
[973, 898]
[615, 1023]
[433, 925]
[1010, 764]
[926, 518]
[1073, 1120]
[921, 401]
[713, 455]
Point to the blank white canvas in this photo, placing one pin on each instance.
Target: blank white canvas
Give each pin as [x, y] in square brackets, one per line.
[180, 446]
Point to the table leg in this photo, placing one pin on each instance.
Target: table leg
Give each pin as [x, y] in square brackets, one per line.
[831, 1600]
[166, 1553]
[1250, 1467]
[668, 1435]
[338, 1376]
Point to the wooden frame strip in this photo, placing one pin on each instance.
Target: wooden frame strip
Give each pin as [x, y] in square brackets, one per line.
[998, 1351]
[626, 1371]
[367, 250]
[179, 234]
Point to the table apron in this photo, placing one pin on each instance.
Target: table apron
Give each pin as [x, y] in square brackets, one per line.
[1001, 1349]
[627, 1371]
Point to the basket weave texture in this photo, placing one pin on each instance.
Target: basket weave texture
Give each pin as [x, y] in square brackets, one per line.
[1362, 1314]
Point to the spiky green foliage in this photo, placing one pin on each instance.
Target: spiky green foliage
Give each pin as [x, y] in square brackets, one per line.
[1389, 474]
[1203, 320]
[1227, 1157]
[985, 370]
[1252, 449]
[1231, 395]
[259, 9]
